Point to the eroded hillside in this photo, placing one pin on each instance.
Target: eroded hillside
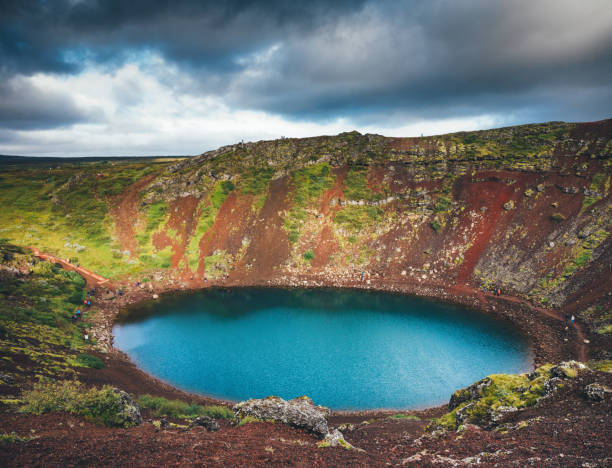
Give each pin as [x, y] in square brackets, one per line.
[525, 209]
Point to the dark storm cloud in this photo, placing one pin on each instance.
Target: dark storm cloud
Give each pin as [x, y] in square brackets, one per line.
[24, 106]
[49, 36]
[440, 59]
[319, 60]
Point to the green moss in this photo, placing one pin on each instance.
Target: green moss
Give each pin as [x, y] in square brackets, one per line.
[517, 391]
[308, 185]
[357, 217]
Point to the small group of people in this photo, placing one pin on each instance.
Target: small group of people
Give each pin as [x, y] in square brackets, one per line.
[570, 319]
[76, 316]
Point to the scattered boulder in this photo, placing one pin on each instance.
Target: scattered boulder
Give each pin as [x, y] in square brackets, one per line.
[497, 414]
[207, 423]
[551, 385]
[596, 392]
[509, 205]
[567, 369]
[299, 412]
[128, 409]
[336, 439]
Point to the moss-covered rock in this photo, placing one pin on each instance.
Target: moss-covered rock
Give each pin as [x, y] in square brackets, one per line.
[486, 402]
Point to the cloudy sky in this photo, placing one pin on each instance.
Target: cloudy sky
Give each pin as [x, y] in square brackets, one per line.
[143, 77]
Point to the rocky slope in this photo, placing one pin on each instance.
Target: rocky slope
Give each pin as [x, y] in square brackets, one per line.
[525, 210]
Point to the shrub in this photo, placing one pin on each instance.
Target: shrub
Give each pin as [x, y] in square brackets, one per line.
[442, 204]
[309, 255]
[87, 360]
[436, 226]
[100, 405]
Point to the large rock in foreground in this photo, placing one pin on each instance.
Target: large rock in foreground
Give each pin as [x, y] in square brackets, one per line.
[127, 409]
[300, 412]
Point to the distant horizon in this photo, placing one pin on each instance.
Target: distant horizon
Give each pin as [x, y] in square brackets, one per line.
[119, 156]
[141, 78]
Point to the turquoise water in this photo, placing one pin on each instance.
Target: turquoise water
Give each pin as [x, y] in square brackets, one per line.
[344, 349]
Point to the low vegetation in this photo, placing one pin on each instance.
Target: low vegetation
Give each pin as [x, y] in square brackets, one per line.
[308, 185]
[99, 405]
[162, 407]
[496, 392]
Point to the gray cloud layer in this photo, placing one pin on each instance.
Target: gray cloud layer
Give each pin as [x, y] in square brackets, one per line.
[368, 61]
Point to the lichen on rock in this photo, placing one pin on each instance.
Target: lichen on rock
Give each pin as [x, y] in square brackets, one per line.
[300, 412]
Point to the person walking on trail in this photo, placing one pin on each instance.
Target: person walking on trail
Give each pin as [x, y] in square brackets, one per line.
[566, 318]
[362, 276]
[78, 313]
[572, 319]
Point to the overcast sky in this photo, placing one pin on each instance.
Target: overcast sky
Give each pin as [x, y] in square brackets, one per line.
[145, 77]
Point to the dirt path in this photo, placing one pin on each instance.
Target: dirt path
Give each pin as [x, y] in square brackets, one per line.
[93, 279]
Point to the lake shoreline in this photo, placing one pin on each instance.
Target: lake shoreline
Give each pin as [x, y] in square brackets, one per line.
[546, 335]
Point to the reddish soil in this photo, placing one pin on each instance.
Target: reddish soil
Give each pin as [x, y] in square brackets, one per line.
[124, 210]
[92, 279]
[491, 195]
[568, 431]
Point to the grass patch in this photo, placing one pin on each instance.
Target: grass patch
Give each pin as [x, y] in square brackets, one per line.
[356, 186]
[409, 417]
[308, 185]
[356, 217]
[249, 420]
[208, 214]
[255, 181]
[162, 407]
[87, 360]
[65, 210]
[14, 438]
